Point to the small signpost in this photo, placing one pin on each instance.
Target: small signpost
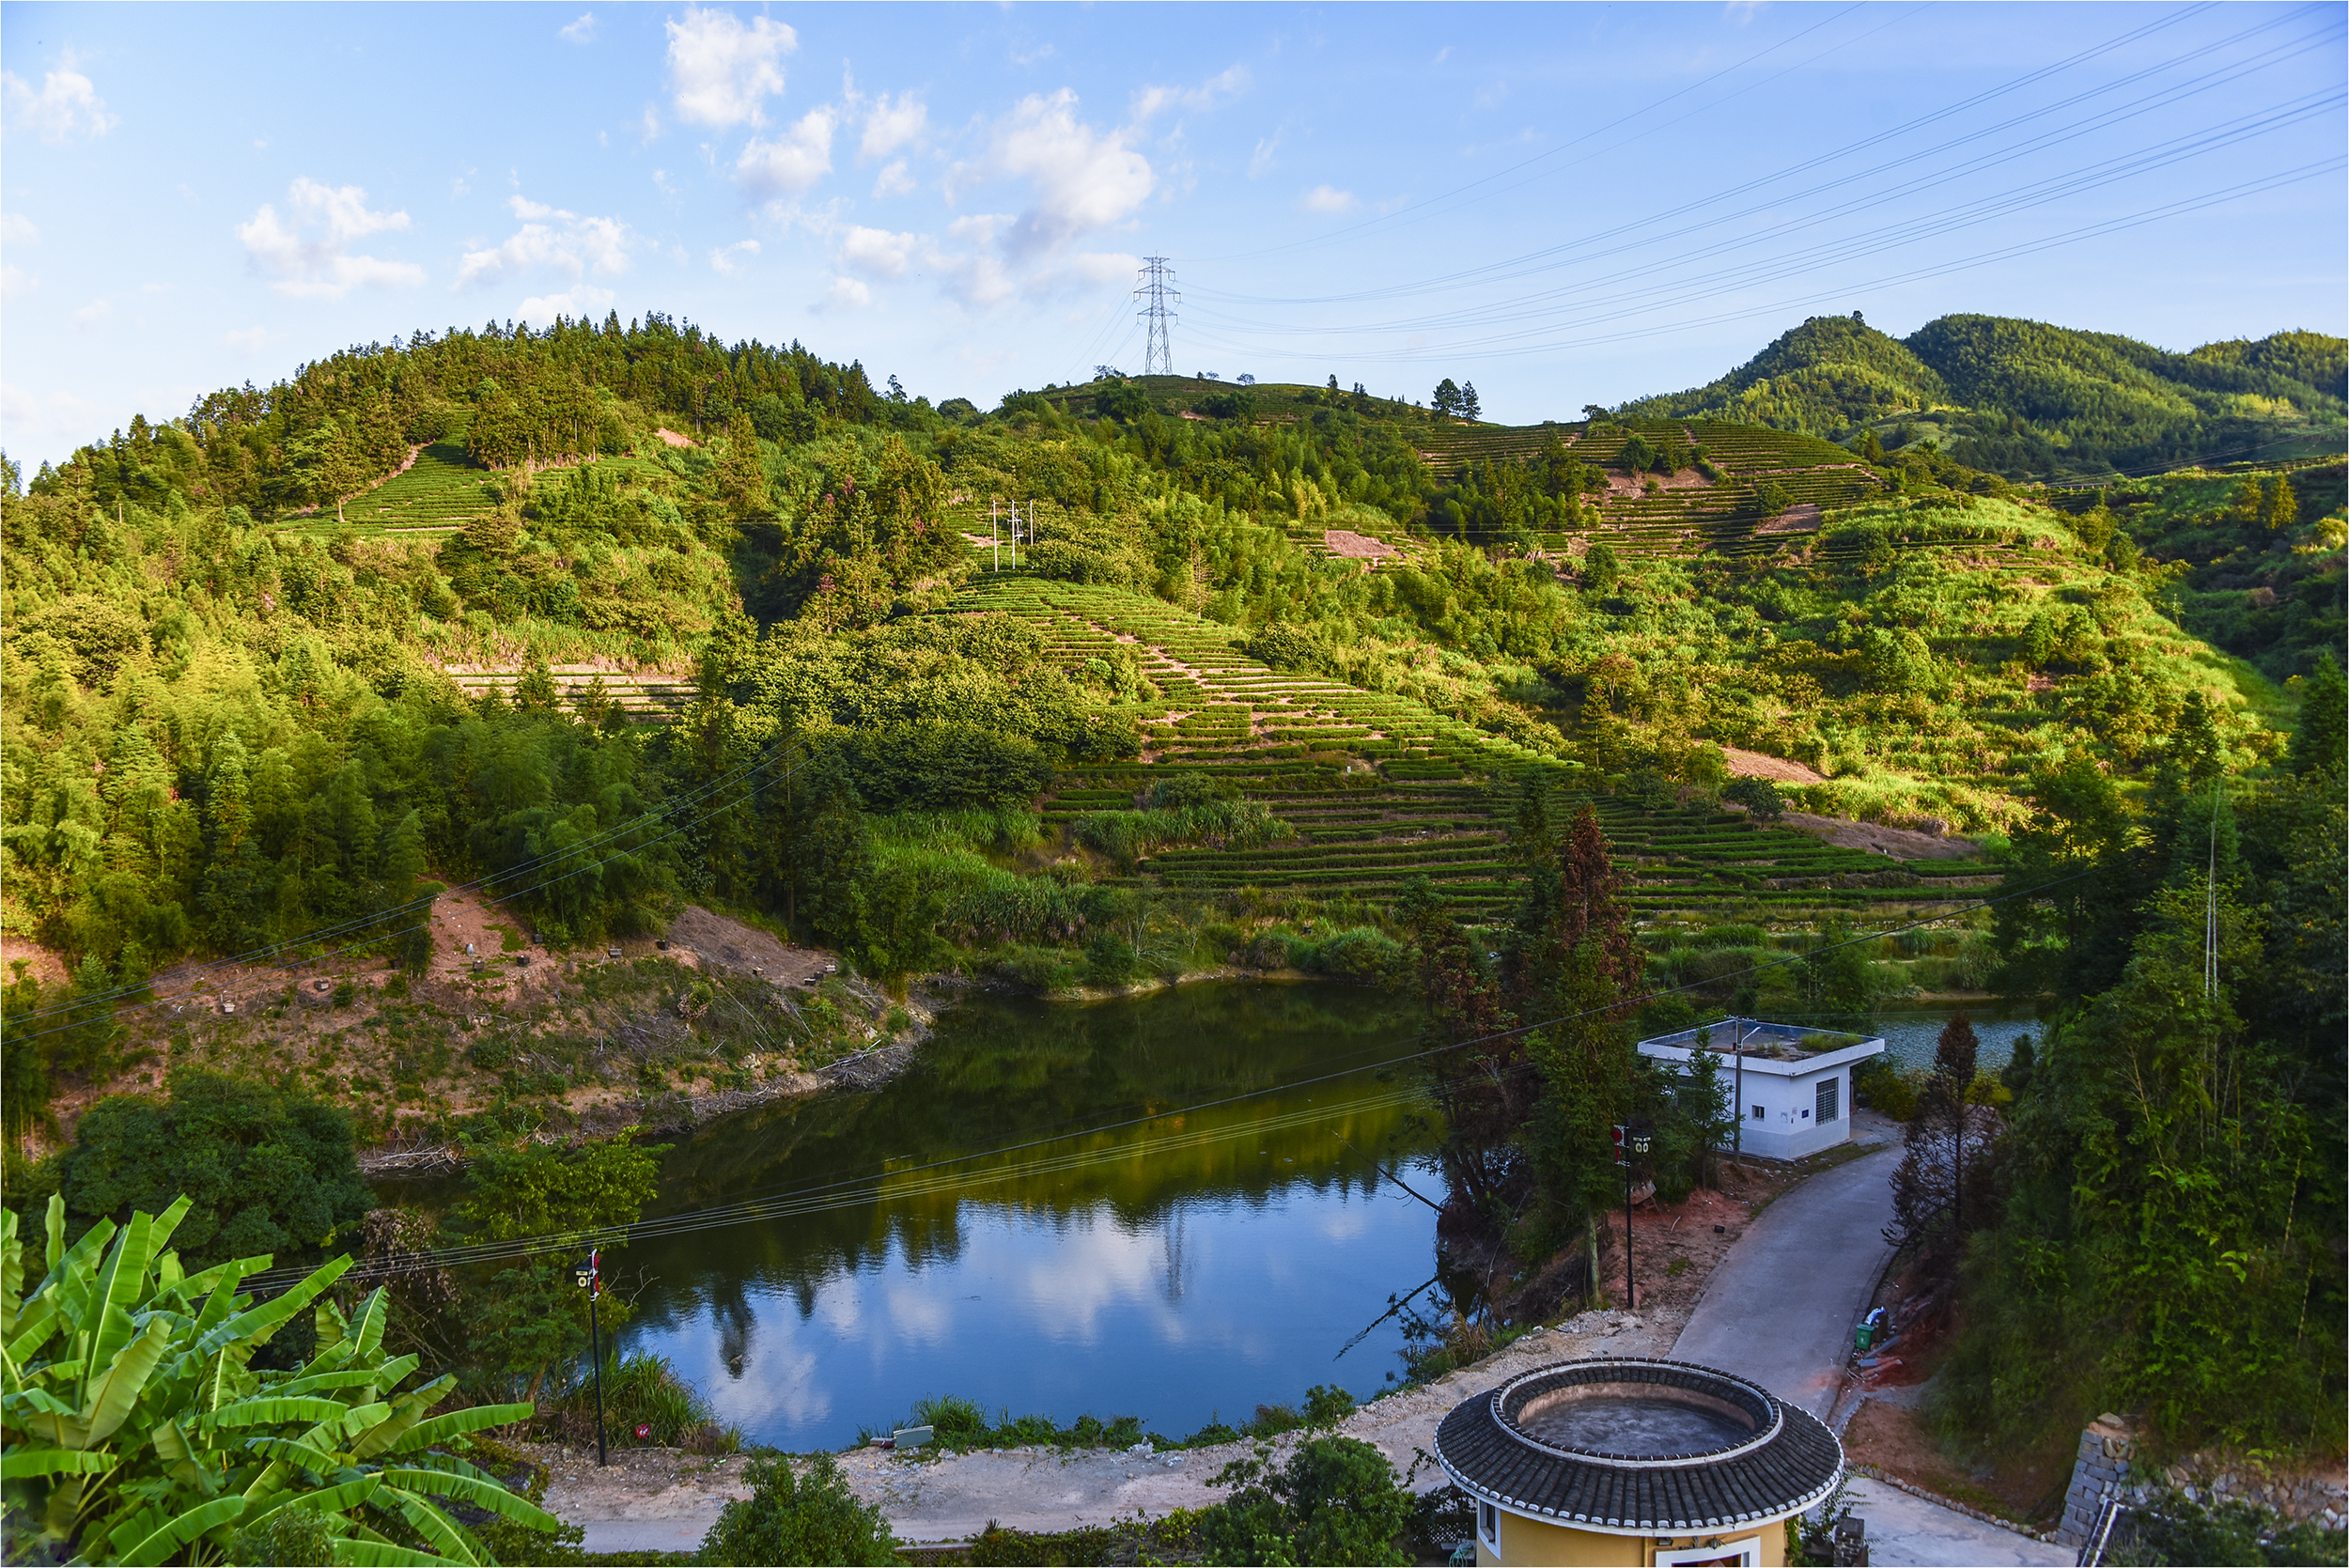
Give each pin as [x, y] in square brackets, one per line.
[1629, 1141]
[589, 1276]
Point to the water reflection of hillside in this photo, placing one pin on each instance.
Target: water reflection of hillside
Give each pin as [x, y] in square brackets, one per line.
[1013, 1072]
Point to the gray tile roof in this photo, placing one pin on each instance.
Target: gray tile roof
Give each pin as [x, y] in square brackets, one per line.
[1790, 1461]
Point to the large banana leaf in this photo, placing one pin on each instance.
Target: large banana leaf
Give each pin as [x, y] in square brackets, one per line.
[254, 1325]
[117, 1390]
[383, 1554]
[440, 1429]
[430, 1523]
[470, 1490]
[122, 1280]
[11, 1273]
[34, 1325]
[272, 1408]
[179, 1531]
[22, 1464]
[330, 1499]
[368, 1332]
[349, 1378]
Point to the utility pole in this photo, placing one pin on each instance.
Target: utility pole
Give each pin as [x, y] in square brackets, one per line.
[1156, 290]
[590, 1278]
[993, 538]
[1738, 1140]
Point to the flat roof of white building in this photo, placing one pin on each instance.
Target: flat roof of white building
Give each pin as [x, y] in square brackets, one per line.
[1787, 1050]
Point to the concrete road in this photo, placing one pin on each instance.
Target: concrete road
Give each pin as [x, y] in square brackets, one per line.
[1781, 1307]
[1906, 1531]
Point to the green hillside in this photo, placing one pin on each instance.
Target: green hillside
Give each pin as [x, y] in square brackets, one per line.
[469, 606]
[2032, 401]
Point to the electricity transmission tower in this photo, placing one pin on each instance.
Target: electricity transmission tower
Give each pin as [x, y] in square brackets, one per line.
[1156, 292]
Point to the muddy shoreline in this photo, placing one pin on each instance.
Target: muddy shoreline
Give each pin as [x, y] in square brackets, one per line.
[861, 1073]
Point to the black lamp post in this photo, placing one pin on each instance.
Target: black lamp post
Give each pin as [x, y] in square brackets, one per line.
[589, 1276]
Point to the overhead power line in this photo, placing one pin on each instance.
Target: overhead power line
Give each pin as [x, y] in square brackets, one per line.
[856, 1191]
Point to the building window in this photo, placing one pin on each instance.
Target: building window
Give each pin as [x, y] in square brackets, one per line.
[1757, 1113]
[1830, 1098]
[1734, 1554]
[1488, 1527]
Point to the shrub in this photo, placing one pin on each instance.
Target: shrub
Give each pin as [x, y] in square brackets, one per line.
[259, 1171]
[1758, 796]
[1336, 1501]
[802, 1515]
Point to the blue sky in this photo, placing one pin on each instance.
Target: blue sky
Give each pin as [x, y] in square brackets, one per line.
[1565, 204]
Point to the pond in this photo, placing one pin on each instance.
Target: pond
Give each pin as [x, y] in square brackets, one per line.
[1031, 1218]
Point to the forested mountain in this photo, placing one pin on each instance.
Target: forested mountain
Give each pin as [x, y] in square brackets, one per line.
[2031, 401]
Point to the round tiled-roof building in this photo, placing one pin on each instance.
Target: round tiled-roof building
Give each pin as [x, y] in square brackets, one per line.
[1630, 1461]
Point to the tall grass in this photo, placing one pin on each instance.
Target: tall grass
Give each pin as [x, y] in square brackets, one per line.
[642, 1392]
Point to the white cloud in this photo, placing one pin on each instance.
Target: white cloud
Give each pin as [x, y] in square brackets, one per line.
[845, 294]
[729, 258]
[309, 257]
[1261, 165]
[15, 281]
[93, 313]
[580, 301]
[895, 180]
[1081, 178]
[876, 252]
[1328, 198]
[67, 105]
[891, 124]
[721, 70]
[792, 161]
[550, 237]
[247, 340]
[1225, 83]
[18, 229]
[649, 126]
[56, 420]
[582, 31]
[1106, 265]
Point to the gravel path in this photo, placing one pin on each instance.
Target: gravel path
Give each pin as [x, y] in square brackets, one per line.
[642, 1504]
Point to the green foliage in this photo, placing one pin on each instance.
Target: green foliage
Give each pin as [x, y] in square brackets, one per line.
[1337, 1499]
[1758, 796]
[2029, 400]
[138, 1430]
[2176, 1149]
[511, 1326]
[2172, 1528]
[639, 1390]
[799, 1511]
[257, 1169]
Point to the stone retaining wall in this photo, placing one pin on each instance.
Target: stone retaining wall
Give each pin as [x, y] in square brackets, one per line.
[2107, 1469]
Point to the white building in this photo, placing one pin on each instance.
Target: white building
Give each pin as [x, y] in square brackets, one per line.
[1791, 1086]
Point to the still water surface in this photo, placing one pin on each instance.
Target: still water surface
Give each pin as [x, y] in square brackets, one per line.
[1178, 1269]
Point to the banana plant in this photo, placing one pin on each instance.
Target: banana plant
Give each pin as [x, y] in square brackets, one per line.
[133, 1428]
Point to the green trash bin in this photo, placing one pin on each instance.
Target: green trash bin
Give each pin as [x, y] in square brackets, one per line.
[1865, 1334]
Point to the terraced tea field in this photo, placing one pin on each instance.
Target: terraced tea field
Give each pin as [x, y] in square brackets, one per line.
[654, 695]
[1379, 787]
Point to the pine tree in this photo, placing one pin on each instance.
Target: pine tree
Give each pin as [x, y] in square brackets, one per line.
[1470, 408]
[741, 474]
[1447, 398]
